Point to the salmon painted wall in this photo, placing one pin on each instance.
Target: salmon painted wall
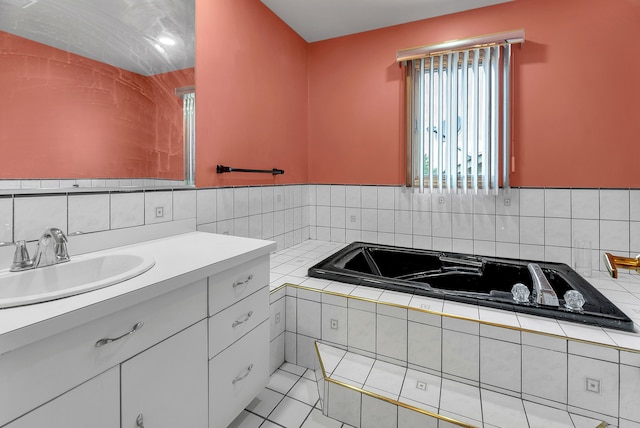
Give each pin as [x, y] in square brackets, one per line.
[251, 97]
[66, 116]
[577, 94]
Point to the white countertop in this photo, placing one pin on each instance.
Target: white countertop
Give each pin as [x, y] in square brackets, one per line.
[179, 260]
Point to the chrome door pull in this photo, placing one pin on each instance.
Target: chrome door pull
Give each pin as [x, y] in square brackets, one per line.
[108, 340]
[242, 376]
[237, 283]
[243, 320]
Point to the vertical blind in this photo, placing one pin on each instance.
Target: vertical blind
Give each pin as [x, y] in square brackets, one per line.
[459, 124]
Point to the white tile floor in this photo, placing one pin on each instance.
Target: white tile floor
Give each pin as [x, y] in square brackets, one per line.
[290, 400]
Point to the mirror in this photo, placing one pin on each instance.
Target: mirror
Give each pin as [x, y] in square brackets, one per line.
[95, 89]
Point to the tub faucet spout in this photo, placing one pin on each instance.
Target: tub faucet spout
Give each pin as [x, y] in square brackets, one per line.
[543, 293]
[614, 262]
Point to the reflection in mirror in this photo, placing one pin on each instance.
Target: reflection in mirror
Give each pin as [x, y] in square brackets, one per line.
[96, 89]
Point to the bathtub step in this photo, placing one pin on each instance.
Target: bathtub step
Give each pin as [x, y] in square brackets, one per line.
[362, 391]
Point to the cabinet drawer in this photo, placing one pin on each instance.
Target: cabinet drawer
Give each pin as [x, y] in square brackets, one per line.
[38, 372]
[237, 375]
[232, 285]
[231, 324]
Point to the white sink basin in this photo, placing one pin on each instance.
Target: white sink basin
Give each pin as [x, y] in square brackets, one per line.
[80, 275]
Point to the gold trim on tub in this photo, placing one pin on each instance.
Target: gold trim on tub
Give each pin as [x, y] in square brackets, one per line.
[493, 324]
[383, 398]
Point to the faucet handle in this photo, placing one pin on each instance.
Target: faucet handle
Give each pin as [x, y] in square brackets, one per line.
[21, 259]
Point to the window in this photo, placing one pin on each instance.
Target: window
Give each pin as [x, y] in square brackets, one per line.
[458, 114]
[188, 96]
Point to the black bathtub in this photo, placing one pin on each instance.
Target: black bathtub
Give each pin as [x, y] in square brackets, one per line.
[486, 281]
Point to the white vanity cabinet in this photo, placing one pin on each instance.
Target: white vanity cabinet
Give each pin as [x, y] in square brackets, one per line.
[47, 369]
[184, 345]
[166, 386]
[238, 339]
[95, 403]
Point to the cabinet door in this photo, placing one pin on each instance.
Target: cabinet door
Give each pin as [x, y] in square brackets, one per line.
[95, 403]
[166, 386]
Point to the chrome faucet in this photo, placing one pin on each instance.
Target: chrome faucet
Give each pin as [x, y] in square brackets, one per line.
[543, 293]
[21, 259]
[52, 248]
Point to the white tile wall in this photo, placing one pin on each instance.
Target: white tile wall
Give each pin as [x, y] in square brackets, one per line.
[6, 219]
[33, 214]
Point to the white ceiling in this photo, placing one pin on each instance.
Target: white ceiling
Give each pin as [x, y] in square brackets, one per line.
[316, 20]
[122, 33]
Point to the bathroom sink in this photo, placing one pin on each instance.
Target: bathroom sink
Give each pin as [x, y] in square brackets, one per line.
[80, 275]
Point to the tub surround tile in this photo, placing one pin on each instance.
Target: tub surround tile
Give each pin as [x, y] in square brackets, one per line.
[502, 411]
[386, 377]
[426, 303]
[422, 387]
[557, 203]
[557, 232]
[422, 202]
[461, 204]
[532, 202]
[334, 324]
[377, 413]
[395, 297]
[544, 373]
[361, 330]
[462, 226]
[484, 204]
[585, 204]
[408, 419]
[386, 197]
[424, 346]
[508, 202]
[453, 393]
[308, 317]
[614, 204]
[461, 354]
[391, 337]
[500, 364]
[593, 385]
[614, 236]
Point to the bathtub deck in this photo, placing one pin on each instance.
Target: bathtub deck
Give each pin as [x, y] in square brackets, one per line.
[291, 265]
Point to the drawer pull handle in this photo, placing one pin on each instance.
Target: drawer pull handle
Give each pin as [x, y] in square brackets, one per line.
[108, 340]
[237, 283]
[243, 320]
[243, 375]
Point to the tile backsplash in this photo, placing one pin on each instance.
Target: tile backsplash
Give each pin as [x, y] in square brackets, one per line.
[528, 223]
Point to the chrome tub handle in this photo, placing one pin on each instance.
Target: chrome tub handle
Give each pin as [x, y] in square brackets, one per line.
[108, 340]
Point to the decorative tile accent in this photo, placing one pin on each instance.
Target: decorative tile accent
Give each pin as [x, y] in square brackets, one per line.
[593, 385]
